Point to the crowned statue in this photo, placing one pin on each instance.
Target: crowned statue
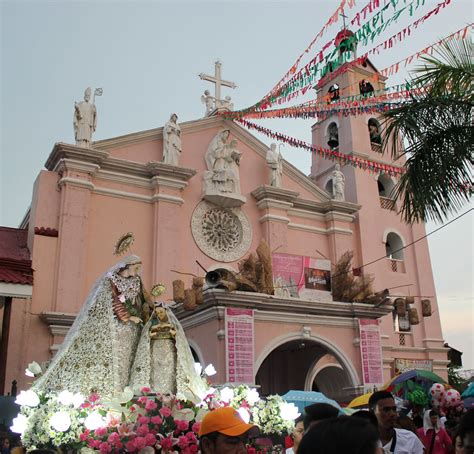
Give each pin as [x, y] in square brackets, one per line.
[99, 349]
[120, 338]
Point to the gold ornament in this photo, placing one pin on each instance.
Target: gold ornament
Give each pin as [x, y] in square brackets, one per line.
[124, 243]
[158, 289]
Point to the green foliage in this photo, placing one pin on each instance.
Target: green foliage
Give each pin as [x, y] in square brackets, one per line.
[454, 379]
[434, 132]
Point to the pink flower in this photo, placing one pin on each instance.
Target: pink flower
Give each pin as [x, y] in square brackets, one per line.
[166, 443]
[122, 298]
[150, 439]
[130, 446]
[140, 443]
[143, 419]
[151, 405]
[142, 430]
[105, 448]
[156, 420]
[125, 430]
[196, 426]
[165, 412]
[191, 437]
[84, 436]
[145, 389]
[93, 398]
[133, 409]
[114, 438]
[94, 444]
[181, 426]
[183, 442]
[142, 400]
[251, 450]
[100, 431]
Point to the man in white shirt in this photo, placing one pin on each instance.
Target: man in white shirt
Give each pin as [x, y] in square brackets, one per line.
[394, 440]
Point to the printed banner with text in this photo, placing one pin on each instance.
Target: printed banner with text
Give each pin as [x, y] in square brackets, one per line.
[371, 352]
[239, 342]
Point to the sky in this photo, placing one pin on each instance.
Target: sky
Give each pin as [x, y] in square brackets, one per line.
[146, 55]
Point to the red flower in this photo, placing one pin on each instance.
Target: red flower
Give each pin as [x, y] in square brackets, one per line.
[150, 439]
[140, 443]
[100, 431]
[151, 405]
[142, 430]
[181, 426]
[156, 420]
[84, 436]
[166, 443]
[196, 426]
[164, 411]
[105, 448]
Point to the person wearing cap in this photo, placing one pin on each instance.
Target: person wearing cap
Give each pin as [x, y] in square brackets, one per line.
[223, 431]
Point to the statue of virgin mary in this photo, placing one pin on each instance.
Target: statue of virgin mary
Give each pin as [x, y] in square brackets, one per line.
[164, 361]
[99, 349]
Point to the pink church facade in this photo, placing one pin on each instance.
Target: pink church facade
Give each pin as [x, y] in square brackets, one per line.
[86, 199]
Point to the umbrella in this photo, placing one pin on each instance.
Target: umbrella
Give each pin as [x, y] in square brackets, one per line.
[469, 391]
[468, 403]
[304, 398]
[422, 375]
[360, 401]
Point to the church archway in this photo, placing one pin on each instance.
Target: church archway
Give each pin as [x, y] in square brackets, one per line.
[290, 362]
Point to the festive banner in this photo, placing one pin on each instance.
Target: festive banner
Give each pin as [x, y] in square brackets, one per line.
[294, 87]
[401, 365]
[239, 340]
[302, 277]
[371, 352]
[326, 153]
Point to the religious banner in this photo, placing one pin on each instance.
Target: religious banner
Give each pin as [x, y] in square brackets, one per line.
[401, 365]
[301, 277]
[371, 352]
[239, 342]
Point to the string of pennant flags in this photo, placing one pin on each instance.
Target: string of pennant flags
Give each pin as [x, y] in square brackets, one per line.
[326, 153]
[317, 70]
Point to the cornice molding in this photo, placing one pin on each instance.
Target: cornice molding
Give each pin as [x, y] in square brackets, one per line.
[66, 164]
[265, 204]
[300, 213]
[273, 193]
[67, 151]
[123, 194]
[58, 318]
[168, 198]
[77, 182]
[169, 172]
[274, 218]
[269, 304]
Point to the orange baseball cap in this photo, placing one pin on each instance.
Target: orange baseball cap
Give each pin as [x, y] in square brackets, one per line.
[226, 421]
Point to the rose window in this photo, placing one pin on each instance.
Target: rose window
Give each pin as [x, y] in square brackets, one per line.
[221, 229]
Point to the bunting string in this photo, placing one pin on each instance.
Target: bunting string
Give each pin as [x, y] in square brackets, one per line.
[300, 82]
[326, 153]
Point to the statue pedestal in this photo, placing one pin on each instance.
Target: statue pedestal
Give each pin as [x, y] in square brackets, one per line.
[225, 200]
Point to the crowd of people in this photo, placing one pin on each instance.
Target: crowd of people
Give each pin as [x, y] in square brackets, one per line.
[323, 431]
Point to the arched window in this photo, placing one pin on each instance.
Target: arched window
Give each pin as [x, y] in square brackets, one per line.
[374, 133]
[333, 93]
[385, 187]
[328, 186]
[333, 136]
[393, 246]
[365, 87]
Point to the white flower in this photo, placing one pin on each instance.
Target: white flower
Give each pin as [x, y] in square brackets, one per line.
[94, 421]
[244, 414]
[19, 424]
[227, 394]
[289, 411]
[60, 421]
[28, 398]
[65, 397]
[252, 396]
[122, 298]
[198, 368]
[33, 368]
[77, 400]
[210, 370]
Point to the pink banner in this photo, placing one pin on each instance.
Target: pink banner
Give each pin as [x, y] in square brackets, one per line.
[239, 340]
[302, 277]
[371, 352]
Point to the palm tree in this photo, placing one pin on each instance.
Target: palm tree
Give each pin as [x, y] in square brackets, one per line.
[436, 127]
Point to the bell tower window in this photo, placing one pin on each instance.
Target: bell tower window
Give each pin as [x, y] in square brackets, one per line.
[333, 136]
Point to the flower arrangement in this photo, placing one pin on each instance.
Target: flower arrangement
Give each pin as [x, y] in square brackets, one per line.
[141, 421]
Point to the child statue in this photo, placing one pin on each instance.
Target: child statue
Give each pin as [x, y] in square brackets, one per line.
[164, 361]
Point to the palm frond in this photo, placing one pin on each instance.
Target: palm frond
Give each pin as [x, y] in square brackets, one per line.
[434, 132]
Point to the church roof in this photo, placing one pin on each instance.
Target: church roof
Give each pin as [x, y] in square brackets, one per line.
[342, 35]
[15, 260]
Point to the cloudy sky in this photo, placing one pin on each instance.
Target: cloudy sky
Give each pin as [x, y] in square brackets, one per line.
[146, 55]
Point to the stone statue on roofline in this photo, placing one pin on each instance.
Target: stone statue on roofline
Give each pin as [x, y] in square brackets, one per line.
[172, 141]
[275, 163]
[85, 120]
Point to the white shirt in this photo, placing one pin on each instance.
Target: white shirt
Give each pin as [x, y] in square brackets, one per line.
[407, 443]
[289, 451]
